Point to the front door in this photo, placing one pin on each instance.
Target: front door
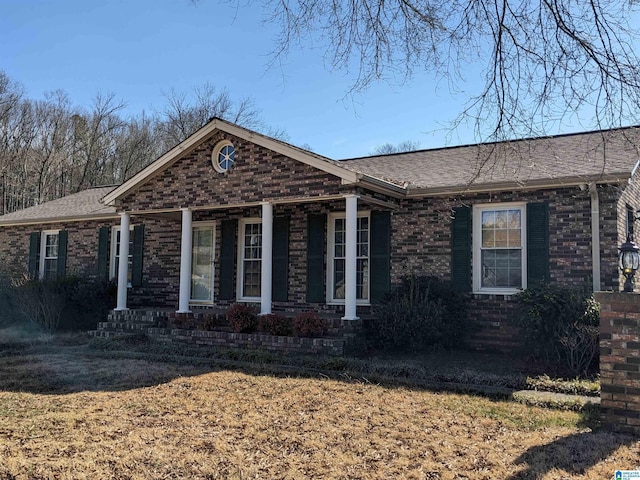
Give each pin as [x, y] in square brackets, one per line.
[203, 252]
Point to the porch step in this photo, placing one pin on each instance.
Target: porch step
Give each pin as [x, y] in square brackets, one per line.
[130, 327]
[137, 316]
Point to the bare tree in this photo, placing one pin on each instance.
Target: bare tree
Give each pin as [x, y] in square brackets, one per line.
[387, 148]
[94, 142]
[542, 61]
[183, 116]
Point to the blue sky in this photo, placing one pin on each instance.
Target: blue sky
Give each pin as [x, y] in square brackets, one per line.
[137, 49]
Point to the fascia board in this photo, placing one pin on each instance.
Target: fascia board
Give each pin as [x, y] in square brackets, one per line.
[48, 220]
[616, 179]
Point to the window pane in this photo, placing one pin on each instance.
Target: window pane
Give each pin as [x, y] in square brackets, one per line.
[362, 282]
[488, 239]
[202, 264]
[501, 268]
[252, 264]
[50, 268]
[338, 278]
[488, 219]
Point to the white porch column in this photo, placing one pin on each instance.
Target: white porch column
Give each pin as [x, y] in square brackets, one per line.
[185, 262]
[123, 262]
[267, 258]
[351, 258]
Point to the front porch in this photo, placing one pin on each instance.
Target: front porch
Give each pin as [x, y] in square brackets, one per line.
[209, 327]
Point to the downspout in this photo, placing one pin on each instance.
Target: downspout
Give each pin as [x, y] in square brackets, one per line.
[595, 235]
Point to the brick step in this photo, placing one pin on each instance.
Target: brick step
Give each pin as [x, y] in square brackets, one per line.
[109, 334]
[124, 326]
[134, 317]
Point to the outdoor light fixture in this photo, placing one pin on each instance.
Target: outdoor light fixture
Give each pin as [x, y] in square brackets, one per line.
[629, 262]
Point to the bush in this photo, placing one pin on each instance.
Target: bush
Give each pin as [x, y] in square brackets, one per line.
[276, 324]
[421, 312]
[559, 327]
[242, 318]
[69, 303]
[308, 324]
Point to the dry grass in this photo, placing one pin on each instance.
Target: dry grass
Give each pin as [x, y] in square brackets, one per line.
[67, 414]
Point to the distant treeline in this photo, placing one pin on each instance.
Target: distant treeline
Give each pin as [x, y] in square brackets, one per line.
[50, 148]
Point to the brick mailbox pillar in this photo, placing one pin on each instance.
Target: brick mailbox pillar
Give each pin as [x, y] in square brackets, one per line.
[620, 360]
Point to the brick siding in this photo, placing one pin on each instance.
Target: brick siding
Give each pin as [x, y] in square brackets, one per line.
[620, 360]
[420, 230]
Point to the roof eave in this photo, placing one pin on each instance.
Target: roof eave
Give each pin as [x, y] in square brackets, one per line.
[463, 189]
[48, 220]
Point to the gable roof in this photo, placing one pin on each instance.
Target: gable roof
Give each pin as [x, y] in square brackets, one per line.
[606, 156]
[78, 206]
[324, 164]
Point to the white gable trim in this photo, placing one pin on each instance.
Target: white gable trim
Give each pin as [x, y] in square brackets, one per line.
[321, 163]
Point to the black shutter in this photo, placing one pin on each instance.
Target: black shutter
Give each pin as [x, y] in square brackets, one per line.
[315, 257]
[461, 249]
[537, 243]
[103, 253]
[34, 254]
[227, 258]
[280, 272]
[380, 253]
[61, 266]
[138, 247]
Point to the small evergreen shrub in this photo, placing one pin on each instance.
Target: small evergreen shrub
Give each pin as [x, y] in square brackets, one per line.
[242, 318]
[559, 326]
[419, 313]
[276, 324]
[308, 324]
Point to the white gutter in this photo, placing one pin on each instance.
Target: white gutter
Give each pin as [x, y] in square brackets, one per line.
[595, 235]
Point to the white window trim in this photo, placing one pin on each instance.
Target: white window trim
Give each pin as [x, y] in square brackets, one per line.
[240, 263]
[211, 301]
[43, 250]
[216, 152]
[114, 253]
[477, 243]
[331, 217]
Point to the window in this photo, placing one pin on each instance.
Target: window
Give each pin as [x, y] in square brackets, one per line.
[49, 254]
[499, 250]
[337, 258]
[629, 222]
[202, 256]
[223, 156]
[250, 259]
[115, 254]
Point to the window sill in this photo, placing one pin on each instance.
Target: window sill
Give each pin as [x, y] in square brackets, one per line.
[498, 292]
[249, 299]
[359, 303]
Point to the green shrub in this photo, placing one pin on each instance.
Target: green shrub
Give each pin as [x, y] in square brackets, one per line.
[308, 324]
[242, 318]
[276, 324]
[419, 313]
[559, 327]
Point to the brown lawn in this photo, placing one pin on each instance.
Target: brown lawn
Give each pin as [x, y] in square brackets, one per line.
[123, 418]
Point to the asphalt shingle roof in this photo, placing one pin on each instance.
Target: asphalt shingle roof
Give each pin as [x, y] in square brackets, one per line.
[78, 205]
[609, 155]
[588, 156]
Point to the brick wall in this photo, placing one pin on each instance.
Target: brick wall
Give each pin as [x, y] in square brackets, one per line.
[421, 240]
[620, 360]
[82, 247]
[257, 175]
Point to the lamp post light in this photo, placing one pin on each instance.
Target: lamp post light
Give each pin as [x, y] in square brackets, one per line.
[629, 262]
